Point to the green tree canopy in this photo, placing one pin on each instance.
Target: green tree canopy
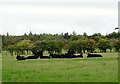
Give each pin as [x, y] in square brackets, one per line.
[103, 45]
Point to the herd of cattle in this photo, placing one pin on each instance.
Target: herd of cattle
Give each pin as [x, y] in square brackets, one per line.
[66, 55]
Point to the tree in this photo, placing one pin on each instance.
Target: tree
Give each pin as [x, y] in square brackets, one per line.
[39, 46]
[74, 37]
[55, 46]
[112, 35]
[7, 34]
[81, 46]
[103, 45]
[66, 36]
[59, 46]
[25, 36]
[85, 34]
[73, 33]
[0, 43]
[96, 34]
[90, 45]
[11, 49]
[111, 44]
[24, 45]
[30, 34]
[96, 37]
[117, 45]
[82, 42]
[73, 46]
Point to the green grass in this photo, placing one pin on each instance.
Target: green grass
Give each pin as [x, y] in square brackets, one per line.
[0, 67]
[61, 70]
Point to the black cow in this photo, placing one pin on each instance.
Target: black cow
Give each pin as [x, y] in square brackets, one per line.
[70, 51]
[94, 55]
[66, 55]
[36, 56]
[70, 54]
[32, 57]
[39, 54]
[20, 57]
[62, 56]
[54, 55]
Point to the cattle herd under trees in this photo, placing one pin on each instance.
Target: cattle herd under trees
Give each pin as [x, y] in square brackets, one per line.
[69, 54]
[55, 44]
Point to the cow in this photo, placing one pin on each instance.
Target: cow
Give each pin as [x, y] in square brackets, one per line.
[94, 55]
[20, 57]
[54, 55]
[32, 57]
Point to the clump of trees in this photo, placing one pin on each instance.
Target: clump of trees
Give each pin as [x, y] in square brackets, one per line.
[55, 43]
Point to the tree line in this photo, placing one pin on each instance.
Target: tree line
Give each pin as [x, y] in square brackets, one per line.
[56, 43]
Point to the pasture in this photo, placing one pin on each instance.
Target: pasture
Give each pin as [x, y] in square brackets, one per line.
[103, 69]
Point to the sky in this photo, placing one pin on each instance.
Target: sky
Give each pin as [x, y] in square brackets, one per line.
[58, 16]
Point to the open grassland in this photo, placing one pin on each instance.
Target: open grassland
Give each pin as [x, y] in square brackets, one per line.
[103, 69]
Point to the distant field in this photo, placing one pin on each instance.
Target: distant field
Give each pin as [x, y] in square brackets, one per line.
[61, 70]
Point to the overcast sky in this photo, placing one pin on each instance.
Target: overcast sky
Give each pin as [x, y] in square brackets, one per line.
[58, 16]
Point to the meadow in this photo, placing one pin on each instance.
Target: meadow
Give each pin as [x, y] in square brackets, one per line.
[103, 69]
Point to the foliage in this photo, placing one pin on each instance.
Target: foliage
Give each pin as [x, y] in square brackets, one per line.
[103, 45]
[90, 45]
[40, 46]
[117, 45]
[55, 46]
[55, 43]
[20, 47]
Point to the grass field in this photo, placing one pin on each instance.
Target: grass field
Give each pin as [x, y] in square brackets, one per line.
[103, 69]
